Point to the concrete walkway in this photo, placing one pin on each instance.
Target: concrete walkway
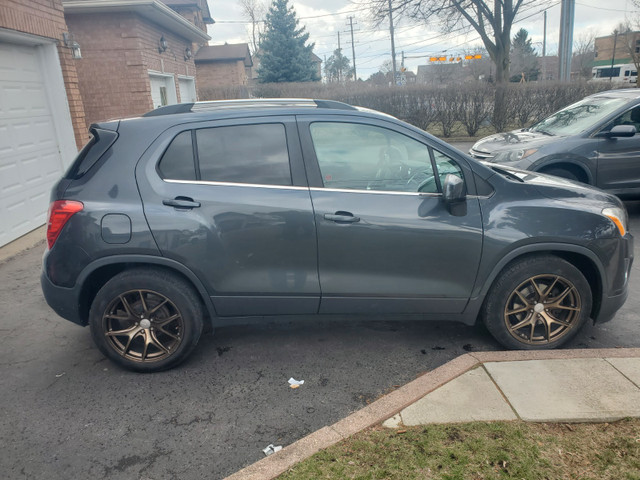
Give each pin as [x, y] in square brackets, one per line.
[539, 386]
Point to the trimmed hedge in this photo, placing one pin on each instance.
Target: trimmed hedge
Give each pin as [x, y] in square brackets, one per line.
[468, 107]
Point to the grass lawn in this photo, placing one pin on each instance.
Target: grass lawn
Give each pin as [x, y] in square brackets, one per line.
[480, 450]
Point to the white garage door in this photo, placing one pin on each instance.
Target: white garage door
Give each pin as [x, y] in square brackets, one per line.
[187, 89]
[163, 89]
[30, 155]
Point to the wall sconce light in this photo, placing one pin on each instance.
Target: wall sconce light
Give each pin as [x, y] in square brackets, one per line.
[71, 43]
[188, 54]
[162, 45]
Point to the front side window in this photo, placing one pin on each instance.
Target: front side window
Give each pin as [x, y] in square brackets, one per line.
[354, 156]
[255, 154]
[630, 117]
[445, 166]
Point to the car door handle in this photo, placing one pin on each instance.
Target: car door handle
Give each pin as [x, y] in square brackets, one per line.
[184, 203]
[341, 217]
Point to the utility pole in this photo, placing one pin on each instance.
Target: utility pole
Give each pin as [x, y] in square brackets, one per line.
[613, 57]
[339, 66]
[353, 50]
[393, 43]
[544, 48]
[567, 12]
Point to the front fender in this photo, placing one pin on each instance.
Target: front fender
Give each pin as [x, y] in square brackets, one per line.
[555, 160]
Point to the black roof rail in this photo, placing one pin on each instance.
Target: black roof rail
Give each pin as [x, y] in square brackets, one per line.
[170, 109]
[243, 103]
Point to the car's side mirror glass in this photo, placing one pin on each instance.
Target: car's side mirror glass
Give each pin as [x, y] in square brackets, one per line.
[622, 131]
[454, 195]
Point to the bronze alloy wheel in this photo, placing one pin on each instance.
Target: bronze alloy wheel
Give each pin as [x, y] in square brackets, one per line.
[143, 326]
[542, 309]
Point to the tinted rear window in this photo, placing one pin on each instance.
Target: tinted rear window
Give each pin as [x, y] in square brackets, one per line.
[244, 154]
[96, 147]
[177, 163]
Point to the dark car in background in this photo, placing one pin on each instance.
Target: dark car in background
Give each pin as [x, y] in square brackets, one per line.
[217, 211]
[593, 141]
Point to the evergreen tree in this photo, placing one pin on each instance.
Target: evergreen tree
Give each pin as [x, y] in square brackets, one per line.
[285, 56]
[338, 67]
[524, 58]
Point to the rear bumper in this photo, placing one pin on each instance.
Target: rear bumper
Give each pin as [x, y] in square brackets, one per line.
[63, 301]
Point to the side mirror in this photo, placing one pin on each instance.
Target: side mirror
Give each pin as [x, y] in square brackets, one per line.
[622, 131]
[454, 195]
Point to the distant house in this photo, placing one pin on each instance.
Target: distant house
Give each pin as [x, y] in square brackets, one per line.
[223, 66]
[440, 73]
[549, 67]
[137, 55]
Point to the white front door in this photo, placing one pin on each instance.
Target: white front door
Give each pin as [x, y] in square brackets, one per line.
[163, 89]
[31, 153]
[187, 89]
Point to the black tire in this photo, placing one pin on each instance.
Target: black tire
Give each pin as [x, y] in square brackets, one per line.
[539, 302]
[146, 320]
[562, 172]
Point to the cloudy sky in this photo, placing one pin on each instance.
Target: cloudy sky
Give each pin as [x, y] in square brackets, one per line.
[325, 18]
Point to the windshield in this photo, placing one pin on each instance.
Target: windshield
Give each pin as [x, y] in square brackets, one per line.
[578, 117]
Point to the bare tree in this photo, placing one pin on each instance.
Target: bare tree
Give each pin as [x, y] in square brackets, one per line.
[254, 11]
[631, 41]
[492, 20]
[584, 52]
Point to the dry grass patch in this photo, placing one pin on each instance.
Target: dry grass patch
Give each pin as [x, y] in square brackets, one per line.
[483, 451]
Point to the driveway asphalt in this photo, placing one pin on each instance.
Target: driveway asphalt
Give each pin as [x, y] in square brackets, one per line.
[69, 413]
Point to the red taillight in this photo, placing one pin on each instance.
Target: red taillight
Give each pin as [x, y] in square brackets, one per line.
[60, 212]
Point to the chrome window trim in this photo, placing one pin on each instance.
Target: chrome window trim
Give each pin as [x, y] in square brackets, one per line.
[313, 189]
[232, 184]
[377, 192]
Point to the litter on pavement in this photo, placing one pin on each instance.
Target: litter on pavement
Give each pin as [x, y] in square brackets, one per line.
[271, 449]
[293, 383]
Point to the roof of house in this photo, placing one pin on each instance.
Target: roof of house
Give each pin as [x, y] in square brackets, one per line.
[154, 10]
[228, 51]
[201, 4]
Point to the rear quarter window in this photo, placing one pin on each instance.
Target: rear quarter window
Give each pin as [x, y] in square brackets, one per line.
[177, 162]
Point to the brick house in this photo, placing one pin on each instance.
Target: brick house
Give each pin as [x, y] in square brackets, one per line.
[136, 54]
[42, 119]
[223, 65]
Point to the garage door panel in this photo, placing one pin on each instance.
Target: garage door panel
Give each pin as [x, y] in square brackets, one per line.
[22, 101]
[19, 63]
[30, 158]
[27, 171]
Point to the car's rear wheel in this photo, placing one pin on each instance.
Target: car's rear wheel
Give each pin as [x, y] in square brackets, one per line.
[537, 303]
[146, 320]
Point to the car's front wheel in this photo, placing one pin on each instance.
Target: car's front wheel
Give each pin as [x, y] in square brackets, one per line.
[539, 302]
[146, 320]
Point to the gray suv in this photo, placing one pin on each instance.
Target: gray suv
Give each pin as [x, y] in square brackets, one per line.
[208, 213]
[593, 141]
